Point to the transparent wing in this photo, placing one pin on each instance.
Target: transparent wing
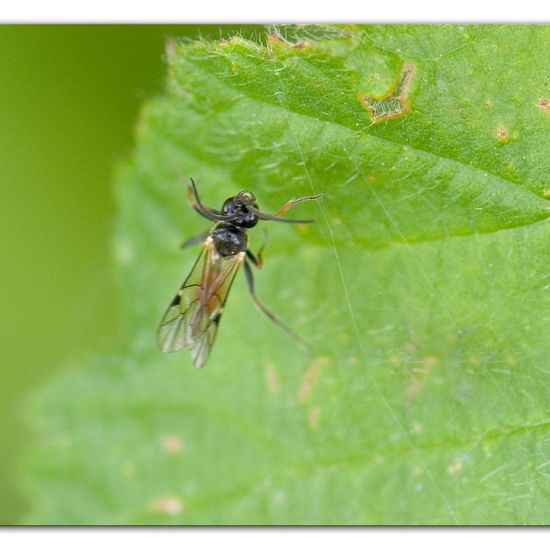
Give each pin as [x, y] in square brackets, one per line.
[193, 317]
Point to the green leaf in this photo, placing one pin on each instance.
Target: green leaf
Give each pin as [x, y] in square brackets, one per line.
[423, 288]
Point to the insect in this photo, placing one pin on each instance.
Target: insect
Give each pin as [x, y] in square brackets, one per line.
[193, 316]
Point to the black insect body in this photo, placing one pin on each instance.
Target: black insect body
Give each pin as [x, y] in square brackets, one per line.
[194, 315]
[229, 240]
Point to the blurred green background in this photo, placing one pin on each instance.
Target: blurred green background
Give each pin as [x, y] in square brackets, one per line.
[69, 98]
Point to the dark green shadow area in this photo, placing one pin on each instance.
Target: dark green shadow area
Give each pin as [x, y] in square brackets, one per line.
[69, 97]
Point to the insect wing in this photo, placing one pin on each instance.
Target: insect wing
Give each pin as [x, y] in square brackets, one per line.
[173, 332]
[203, 325]
[193, 317]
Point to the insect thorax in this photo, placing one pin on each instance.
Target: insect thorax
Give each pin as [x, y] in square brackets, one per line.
[228, 239]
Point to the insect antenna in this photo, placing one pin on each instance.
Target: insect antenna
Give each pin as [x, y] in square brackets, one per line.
[269, 217]
[206, 211]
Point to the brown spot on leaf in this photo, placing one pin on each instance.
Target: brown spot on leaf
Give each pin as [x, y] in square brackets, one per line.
[272, 379]
[543, 103]
[169, 506]
[427, 364]
[307, 382]
[395, 102]
[310, 376]
[412, 389]
[277, 38]
[502, 134]
[510, 359]
[173, 443]
[455, 467]
[313, 417]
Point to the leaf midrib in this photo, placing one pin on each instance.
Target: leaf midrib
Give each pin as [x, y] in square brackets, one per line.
[384, 139]
[392, 241]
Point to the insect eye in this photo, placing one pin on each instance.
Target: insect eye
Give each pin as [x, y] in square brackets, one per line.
[247, 197]
[229, 206]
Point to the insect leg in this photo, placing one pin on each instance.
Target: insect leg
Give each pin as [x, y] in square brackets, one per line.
[194, 240]
[250, 282]
[257, 259]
